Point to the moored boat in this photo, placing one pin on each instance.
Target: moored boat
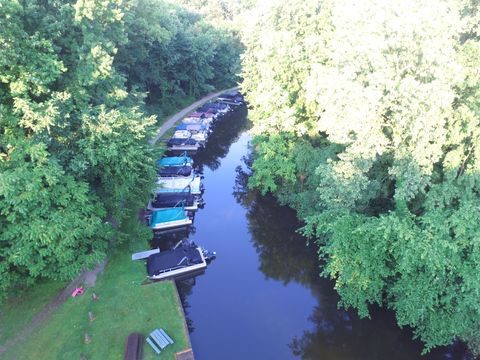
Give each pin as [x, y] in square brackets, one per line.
[233, 97]
[180, 184]
[173, 199]
[175, 171]
[168, 218]
[179, 261]
[180, 160]
[181, 144]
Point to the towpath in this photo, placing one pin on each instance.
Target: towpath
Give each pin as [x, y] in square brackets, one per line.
[179, 115]
[86, 278]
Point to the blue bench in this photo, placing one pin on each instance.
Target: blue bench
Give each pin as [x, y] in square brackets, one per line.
[154, 347]
[169, 339]
[159, 340]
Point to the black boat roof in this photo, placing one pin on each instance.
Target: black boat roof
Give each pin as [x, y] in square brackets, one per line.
[176, 258]
[177, 141]
[165, 200]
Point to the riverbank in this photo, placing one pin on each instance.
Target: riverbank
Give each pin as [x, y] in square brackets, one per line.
[46, 322]
[170, 122]
[123, 306]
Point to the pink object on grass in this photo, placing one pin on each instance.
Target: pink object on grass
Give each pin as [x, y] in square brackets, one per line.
[77, 291]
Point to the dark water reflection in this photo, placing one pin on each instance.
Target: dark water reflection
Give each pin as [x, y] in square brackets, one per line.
[262, 298]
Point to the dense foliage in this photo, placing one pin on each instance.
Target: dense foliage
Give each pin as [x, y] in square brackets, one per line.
[74, 157]
[173, 52]
[367, 121]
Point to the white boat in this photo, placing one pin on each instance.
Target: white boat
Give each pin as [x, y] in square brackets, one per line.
[168, 218]
[180, 184]
[198, 136]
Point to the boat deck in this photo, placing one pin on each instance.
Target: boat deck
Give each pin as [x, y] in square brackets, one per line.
[171, 224]
[175, 262]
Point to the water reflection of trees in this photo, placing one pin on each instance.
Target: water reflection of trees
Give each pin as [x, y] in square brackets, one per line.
[225, 133]
[167, 239]
[185, 288]
[337, 334]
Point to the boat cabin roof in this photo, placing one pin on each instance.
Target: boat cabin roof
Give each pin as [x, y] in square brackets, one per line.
[175, 161]
[167, 215]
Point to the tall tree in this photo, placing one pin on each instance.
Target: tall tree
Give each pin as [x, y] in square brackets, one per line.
[173, 52]
[366, 116]
[73, 151]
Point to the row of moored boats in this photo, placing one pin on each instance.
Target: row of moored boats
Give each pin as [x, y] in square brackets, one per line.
[192, 134]
[179, 189]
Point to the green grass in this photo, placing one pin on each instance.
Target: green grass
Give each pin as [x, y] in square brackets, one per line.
[21, 308]
[165, 111]
[124, 306]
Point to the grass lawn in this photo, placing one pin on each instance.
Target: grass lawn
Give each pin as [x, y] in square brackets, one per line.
[124, 306]
[21, 308]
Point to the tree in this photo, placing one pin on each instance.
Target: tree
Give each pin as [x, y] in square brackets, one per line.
[67, 124]
[173, 52]
[366, 122]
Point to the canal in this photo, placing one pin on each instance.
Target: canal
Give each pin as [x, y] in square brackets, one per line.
[262, 298]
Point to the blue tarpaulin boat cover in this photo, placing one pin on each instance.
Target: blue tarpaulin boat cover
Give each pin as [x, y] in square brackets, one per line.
[175, 161]
[166, 215]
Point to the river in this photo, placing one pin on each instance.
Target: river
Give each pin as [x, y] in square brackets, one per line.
[262, 298]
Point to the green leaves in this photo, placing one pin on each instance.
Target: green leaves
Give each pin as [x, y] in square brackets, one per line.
[274, 163]
[366, 121]
[73, 145]
[173, 52]
[51, 226]
[114, 157]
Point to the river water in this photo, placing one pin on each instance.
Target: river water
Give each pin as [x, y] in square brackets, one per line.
[262, 298]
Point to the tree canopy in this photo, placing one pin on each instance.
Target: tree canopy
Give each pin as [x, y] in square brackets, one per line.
[366, 121]
[75, 164]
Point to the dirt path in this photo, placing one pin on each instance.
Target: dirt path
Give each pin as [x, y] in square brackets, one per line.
[88, 278]
[172, 120]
